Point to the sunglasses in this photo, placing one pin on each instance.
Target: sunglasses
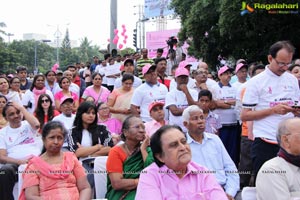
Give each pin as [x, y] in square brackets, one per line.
[45, 100]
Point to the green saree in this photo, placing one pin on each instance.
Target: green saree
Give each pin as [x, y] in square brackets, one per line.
[132, 168]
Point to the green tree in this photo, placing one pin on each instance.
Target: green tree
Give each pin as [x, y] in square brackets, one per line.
[65, 50]
[214, 28]
[2, 32]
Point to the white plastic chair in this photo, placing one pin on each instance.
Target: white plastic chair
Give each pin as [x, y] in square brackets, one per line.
[249, 193]
[100, 176]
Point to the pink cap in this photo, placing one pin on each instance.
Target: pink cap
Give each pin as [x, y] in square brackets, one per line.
[147, 67]
[155, 103]
[223, 69]
[66, 98]
[181, 72]
[184, 64]
[239, 66]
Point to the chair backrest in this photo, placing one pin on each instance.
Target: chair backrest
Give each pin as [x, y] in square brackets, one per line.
[249, 193]
[100, 176]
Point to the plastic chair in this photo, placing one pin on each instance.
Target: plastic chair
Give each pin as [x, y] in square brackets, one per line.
[249, 193]
[100, 176]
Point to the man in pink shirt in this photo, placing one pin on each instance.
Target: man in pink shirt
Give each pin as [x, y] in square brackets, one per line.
[174, 175]
[156, 110]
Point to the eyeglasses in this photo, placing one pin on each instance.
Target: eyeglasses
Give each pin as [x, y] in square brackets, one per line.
[201, 72]
[45, 100]
[138, 126]
[104, 108]
[282, 64]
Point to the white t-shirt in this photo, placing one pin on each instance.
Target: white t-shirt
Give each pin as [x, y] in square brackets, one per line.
[146, 94]
[29, 97]
[111, 81]
[136, 83]
[266, 90]
[22, 142]
[67, 122]
[86, 140]
[227, 116]
[178, 98]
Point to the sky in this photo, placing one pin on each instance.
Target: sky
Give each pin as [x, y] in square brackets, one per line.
[90, 18]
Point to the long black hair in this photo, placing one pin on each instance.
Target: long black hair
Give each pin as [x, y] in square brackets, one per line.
[83, 108]
[39, 111]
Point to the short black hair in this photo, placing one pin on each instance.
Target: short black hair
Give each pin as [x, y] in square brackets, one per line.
[281, 45]
[157, 60]
[160, 50]
[21, 68]
[127, 76]
[156, 144]
[257, 67]
[205, 93]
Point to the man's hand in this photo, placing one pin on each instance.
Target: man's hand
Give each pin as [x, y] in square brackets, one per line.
[282, 109]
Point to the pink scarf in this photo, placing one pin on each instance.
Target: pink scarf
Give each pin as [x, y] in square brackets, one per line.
[37, 94]
[45, 169]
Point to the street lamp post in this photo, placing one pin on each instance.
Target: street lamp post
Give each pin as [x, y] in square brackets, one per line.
[35, 55]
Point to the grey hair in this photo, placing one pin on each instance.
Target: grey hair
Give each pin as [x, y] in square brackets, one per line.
[187, 112]
[282, 130]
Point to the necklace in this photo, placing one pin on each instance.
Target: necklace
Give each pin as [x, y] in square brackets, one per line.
[128, 151]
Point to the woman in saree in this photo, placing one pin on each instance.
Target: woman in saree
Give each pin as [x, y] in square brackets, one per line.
[127, 160]
[120, 98]
[54, 174]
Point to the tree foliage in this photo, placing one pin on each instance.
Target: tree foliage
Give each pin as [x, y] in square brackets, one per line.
[215, 28]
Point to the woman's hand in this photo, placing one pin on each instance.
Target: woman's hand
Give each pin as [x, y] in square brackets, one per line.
[145, 143]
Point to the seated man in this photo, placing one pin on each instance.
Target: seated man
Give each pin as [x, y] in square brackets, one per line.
[174, 175]
[156, 110]
[209, 151]
[18, 143]
[278, 178]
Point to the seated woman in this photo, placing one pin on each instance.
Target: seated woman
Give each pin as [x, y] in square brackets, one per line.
[44, 111]
[126, 161]
[3, 101]
[37, 88]
[114, 125]
[8, 93]
[15, 84]
[59, 174]
[65, 83]
[96, 90]
[88, 139]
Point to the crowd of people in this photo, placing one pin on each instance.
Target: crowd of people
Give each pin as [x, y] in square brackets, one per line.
[168, 130]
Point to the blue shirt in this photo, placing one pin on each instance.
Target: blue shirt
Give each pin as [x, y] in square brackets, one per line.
[212, 154]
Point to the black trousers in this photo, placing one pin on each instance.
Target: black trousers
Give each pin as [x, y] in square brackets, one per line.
[261, 152]
[245, 166]
[8, 178]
